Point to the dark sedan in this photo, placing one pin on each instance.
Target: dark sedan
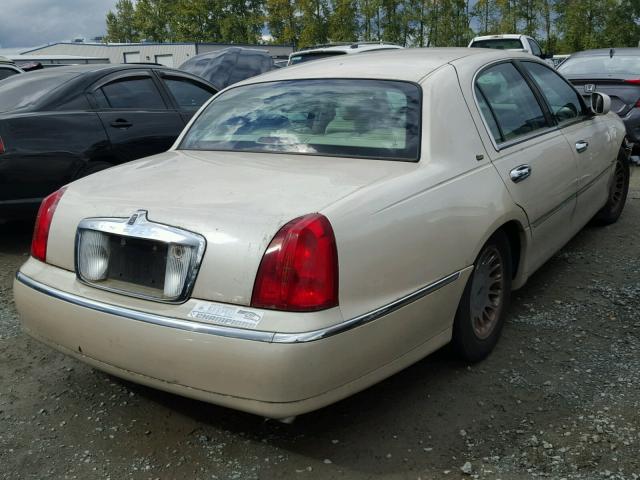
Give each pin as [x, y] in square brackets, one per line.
[614, 71]
[57, 125]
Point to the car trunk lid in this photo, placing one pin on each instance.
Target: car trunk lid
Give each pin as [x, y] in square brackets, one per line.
[237, 201]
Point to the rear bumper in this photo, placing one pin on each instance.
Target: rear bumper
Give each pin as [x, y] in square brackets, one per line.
[276, 378]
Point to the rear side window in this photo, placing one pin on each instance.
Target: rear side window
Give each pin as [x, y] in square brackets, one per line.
[377, 119]
[510, 100]
[140, 93]
[563, 100]
[187, 94]
[499, 44]
[535, 48]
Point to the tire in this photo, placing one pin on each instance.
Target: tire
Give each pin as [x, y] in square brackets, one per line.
[483, 307]
[617, 193]
[91, 168]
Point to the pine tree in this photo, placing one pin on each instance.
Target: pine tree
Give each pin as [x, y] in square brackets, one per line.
[121, 24]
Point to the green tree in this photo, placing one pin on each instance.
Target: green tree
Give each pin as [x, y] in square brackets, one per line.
[486, 12]
[197, 21]
[120, 24]
[242, 21]
[313, 22]
[343, 21]
[283, 21]
[153, 19]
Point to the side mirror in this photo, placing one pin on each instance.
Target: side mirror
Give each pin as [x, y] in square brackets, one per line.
[600, 103]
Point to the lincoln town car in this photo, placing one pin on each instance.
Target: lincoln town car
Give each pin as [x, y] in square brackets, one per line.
[319, 228]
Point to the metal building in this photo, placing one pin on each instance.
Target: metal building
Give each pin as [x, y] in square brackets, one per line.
[170, 54]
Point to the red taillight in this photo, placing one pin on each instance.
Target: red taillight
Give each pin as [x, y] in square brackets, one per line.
[1, 146]
[635, 81]
[299, 270]
[43, 223]
[637, 105]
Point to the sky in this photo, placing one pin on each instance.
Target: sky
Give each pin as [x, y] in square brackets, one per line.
[26, 23]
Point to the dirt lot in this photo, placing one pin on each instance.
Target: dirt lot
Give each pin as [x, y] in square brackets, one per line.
[559, 398]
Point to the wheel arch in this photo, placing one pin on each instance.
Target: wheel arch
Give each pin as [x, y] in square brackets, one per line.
[517, 234]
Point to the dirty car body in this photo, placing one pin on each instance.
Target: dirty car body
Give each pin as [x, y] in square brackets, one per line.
[319, 228]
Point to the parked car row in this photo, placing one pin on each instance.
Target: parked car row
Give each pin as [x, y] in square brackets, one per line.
[58, 125]
[313, 230]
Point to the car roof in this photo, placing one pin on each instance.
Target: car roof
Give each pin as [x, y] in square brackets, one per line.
[410, 64]
[497, 37]
[607, 51]
[348, 48]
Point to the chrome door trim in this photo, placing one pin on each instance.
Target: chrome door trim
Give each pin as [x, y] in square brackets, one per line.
[233, 332]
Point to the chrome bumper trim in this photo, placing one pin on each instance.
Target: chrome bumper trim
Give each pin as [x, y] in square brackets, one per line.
[232, 332]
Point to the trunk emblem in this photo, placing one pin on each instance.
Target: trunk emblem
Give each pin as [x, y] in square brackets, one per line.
[139, 215]
[589, 88]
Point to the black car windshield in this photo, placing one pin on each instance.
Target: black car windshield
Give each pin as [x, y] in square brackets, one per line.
[305, 57]
[601, 65]
[499, 43]
[377, 119]
[21, 91]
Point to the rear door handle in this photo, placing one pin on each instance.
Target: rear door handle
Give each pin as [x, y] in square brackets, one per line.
[121, 123]
[581, 146]
[519, 173]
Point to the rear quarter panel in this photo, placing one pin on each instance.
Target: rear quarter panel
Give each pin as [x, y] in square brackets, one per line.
[46, 149]
[401, 235]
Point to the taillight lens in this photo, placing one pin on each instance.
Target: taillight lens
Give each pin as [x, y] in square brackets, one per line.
[635, 81]
[43, 223]
[299, 270]
[637, 105]
[2, 149]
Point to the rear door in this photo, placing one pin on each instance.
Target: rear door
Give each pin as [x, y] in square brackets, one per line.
[186, 94]
[137, 117]
[530, 154]
[587, 136]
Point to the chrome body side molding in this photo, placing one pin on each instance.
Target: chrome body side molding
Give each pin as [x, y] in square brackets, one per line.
[233, 332]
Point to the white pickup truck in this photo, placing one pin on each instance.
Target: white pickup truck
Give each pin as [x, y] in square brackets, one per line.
[510, 41]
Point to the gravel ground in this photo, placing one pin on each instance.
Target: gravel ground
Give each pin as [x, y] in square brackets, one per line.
[559, 398]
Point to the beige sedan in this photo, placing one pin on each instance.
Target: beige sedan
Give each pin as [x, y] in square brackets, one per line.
[319, 228]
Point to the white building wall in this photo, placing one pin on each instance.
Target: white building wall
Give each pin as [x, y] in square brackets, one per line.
[165, 53]
[116, 52]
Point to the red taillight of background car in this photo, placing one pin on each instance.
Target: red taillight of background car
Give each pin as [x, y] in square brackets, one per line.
[634, 81]
[1, 146]
[299, 270]
[43, 224]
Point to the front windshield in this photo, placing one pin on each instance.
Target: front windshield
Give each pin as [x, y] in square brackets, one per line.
[602, 65]
[377, 119]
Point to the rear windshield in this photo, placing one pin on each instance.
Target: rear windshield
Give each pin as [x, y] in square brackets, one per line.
[377, 119]
[21, 91]
[601, 64]
[499, 43]
[305, 57]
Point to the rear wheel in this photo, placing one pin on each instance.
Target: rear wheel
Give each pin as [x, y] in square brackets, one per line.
[617, 193]
[484, 303]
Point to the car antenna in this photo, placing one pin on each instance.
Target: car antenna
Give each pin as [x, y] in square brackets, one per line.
[611, 52]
